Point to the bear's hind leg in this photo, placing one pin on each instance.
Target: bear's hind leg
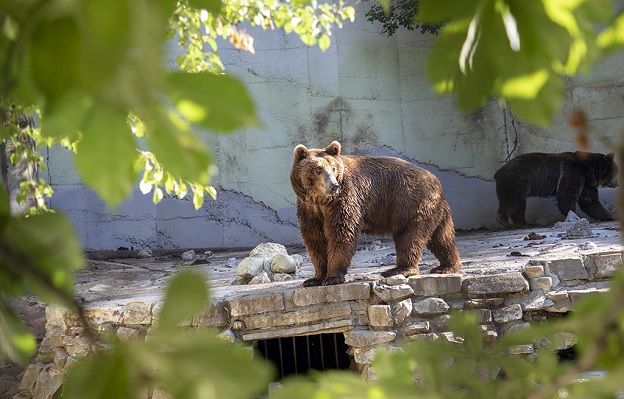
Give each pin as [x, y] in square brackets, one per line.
[443, 246]
[409, 245]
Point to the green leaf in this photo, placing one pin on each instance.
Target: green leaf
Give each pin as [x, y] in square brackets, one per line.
[213, 6]
[324, 42]
[47, 251]
[194, 95]
[104, 37]
[66, 116]
[186, 296]
[107, 153]
[203, 366]
[612, 38]
[177, 148]
[54, 56]
[117, 375]
[16, 341]
[435, 12]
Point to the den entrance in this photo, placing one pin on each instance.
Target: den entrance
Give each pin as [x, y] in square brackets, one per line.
[298, 355]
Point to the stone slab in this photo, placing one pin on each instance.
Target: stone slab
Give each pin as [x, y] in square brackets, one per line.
[324, 327]
[309, 296]
[334, 311]
[495, 285]
[256, 305]
[434, 285]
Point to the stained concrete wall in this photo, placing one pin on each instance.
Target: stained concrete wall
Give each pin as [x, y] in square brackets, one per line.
[370, 92]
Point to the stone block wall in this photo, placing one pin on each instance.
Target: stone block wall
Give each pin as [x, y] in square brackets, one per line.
[371, 314]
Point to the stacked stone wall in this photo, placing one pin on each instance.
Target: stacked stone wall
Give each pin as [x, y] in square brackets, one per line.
[371, 314]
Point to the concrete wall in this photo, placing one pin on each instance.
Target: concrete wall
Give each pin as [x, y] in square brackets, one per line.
[371, 93]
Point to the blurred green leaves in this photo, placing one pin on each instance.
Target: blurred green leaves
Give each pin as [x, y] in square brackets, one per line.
[185, 362]
[515, 50]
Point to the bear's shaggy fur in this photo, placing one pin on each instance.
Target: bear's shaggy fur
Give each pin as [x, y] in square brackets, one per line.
[339, 196]
[572, 177]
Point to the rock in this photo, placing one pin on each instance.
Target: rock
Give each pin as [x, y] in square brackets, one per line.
[360, 338]
[389, 294]
[603, 265]
[380, 316]
[268, 250]
[414, 328]
[282, 277]
[137, 312]
[429, 306]
[283, 264]
[568, 269]
[402, 310]
[208, 254]
[526, 349]
[588, 246]
[188, 256]
[507, 314]
[495, 285]
[250, 267]
[227, 336]
[540, 283]
[397, 279]
[364, 355]
[536, 301]
[231, 263]
[126, 334]
[570, 219]
[579, 229]
[304, 273]
[533, 271]
[262, 278]
[298, 260]
[435, 285]
[144, 253]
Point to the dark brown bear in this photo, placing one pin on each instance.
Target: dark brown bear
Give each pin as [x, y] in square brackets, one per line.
[572, 177]
[339, 196]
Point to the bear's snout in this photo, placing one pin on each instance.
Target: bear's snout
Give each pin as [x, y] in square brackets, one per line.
[331, 184]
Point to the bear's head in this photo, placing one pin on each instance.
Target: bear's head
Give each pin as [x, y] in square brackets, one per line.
[609, 172]
[316, 174]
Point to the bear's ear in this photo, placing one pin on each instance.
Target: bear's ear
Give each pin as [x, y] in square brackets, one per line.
[333, 148]
[611, 155]
[301, 152]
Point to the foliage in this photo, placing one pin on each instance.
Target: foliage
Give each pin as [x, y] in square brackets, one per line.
[399, 14]
[191, 365]
[516, 51]
[103, 90]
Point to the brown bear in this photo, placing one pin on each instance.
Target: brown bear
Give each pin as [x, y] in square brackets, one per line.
[340, 196]
[572, 177]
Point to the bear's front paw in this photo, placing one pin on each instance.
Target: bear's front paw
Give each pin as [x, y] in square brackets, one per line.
[333, 280]
[312, 282]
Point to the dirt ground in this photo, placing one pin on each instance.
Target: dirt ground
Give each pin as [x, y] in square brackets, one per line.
[119, 275]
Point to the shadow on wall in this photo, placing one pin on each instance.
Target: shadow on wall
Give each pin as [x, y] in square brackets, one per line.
[233, 220]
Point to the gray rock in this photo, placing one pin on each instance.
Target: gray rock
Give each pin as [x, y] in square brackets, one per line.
[359, 338]
[392, 293]
[430, 306]
[397, 279]
[283, 264]
[417, 327]
[262, 278]
[579, 229]
[250, 267]
[507, 314]
[380, 316]
[268, 250]
[536, 301]
[188, 256]
[298, 260]
[495, 284]
[434, 285]
[402, 310]
[144, 253]
[231, 263]
[567, 269]
[282, 277]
